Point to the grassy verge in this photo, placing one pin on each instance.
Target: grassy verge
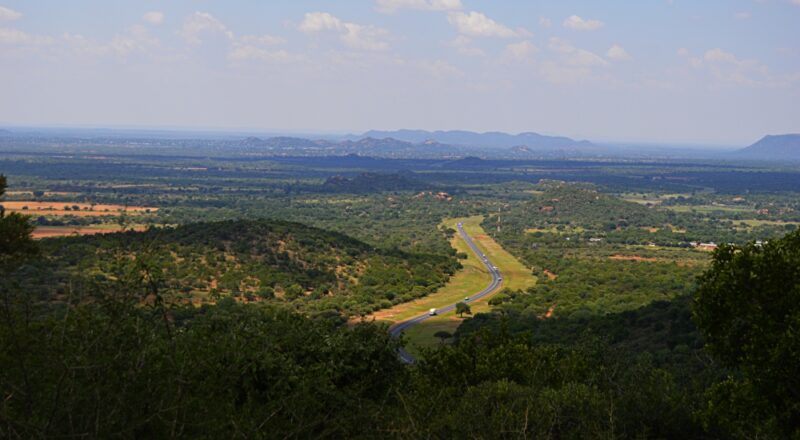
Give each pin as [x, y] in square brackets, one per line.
[472, 279]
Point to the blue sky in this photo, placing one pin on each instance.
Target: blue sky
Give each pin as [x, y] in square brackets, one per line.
[662, 71]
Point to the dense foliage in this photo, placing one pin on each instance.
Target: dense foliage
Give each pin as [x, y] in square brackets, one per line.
[15, 231]
[272, 261]
[110, 369]
[748, 306]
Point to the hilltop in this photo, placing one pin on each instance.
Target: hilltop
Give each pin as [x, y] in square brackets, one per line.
[774, 147]
[257, 261]
[494, 139]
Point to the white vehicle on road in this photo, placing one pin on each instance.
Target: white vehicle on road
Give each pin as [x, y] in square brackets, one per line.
[432, 312]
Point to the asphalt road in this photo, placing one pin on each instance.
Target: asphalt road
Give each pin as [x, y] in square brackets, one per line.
[497, 280]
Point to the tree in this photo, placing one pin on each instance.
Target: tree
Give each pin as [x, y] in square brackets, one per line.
[266, 292]
[462, 308]
[442, 335]
[15, 233]
[748, 308]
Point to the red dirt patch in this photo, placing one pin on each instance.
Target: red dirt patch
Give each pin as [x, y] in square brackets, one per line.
[550, 275]
[549, 313]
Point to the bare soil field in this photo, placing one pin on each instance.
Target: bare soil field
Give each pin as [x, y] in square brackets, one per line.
[64, 231]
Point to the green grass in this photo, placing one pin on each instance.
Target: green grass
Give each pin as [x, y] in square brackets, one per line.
[471, 280]
[708, 209]
[649, 198]
[554, 230]
[754, 223]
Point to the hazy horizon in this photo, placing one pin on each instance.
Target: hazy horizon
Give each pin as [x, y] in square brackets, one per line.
[317, 134]
[671, 72]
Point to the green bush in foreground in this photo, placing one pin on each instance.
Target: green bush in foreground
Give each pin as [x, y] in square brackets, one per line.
[748, 308]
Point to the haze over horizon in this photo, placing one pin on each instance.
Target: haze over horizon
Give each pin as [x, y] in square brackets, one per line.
[674, 71]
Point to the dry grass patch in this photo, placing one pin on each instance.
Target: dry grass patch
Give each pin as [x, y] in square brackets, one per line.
[632, 258]
[59, 209]
[64, 231]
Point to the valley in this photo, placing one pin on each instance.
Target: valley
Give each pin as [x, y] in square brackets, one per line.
[598, 265]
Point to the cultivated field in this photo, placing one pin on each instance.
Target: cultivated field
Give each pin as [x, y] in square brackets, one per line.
[64, 231]
[59, 209]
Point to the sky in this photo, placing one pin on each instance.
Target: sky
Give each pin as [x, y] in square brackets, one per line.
[722, 72]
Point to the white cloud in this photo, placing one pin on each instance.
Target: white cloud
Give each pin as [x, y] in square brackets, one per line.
[17, 37]
[479, 25]
[154, 17]
[135, 39]
[727, 68]
[719, 55]
[521, 51]
[390, 6]
[463, 45]
[584, 58]
[577, 23]
[202, 23]
[262, 40]
[573, 56]
[319, 21]
[356, 36]
[617, 53]
[7, 14]
[251, 47]
[561, 46]
[82, 46]
[245, 53]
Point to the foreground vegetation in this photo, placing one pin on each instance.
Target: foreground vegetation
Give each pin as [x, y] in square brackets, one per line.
[305, 268]
[259, 372]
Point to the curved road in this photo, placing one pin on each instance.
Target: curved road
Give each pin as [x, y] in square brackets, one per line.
[497, 280]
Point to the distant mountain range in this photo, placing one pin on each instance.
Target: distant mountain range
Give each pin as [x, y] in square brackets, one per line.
[490, 140]
[385, 147]
[774, 147]
[419, 144]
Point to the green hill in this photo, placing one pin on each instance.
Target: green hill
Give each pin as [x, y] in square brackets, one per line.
[308, 268]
